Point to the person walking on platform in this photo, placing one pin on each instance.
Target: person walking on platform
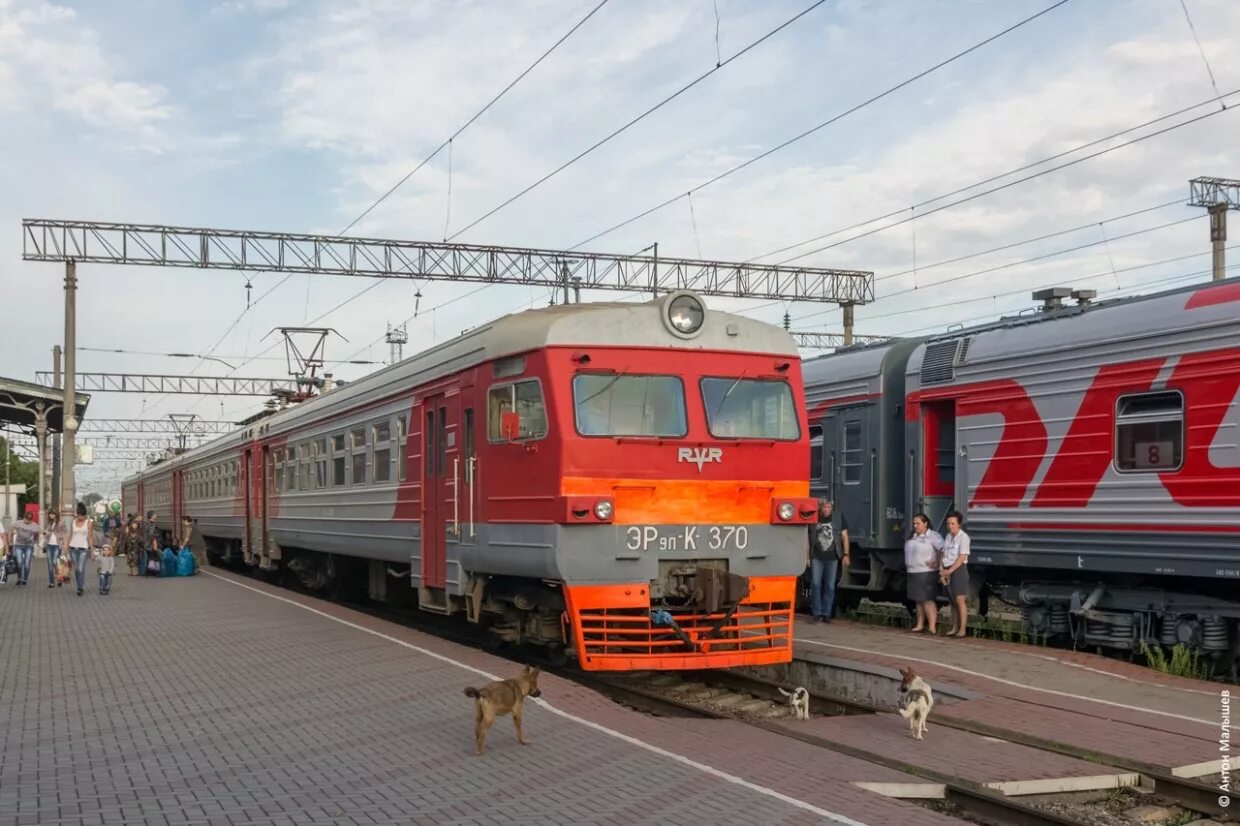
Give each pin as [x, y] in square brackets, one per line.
[81, 540]
[921, 565]
[22, 538]
[55, 541]
[828, 544]
[111, 527]
[954, 575]
[107, 565]
[130, 544]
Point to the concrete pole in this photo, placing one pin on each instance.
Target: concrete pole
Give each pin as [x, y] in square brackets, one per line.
[69, 444]
[40, 439]
[1218, 237]
[8, 480]
[56, 385]
[848, 323]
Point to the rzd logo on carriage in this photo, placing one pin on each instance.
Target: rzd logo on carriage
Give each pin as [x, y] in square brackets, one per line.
[699, 455]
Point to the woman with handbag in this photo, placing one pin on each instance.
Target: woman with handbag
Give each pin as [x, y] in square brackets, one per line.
[81, 540]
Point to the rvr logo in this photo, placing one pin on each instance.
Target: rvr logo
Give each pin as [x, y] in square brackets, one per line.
[699, 455]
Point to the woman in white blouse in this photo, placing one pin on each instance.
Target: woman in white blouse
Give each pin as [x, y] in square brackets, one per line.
[954, 575]
[921, 565]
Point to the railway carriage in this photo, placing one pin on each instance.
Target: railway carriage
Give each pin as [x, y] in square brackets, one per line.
[1094, 449]
[626, 483]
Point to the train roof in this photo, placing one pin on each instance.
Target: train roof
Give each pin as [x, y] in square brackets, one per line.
[857, 362]
[603, 323]
[1104, 321]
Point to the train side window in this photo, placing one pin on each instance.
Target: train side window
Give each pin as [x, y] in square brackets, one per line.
[402, 439]
[468, 437]
[277, 468]
[815, 453]
[338, 460]
[526, 398]
[1149, 432]
[320, 464]
[382, 434]
[358, 442]
[290, 469]
[850, 456]
[303, 481]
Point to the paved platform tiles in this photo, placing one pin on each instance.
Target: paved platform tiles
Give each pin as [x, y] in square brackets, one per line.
[1082, 700]
[214, 700]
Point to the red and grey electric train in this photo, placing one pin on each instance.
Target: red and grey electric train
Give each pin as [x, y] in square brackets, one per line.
[1094, 450]
[624, 483]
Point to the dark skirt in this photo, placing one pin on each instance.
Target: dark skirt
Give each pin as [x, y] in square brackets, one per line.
[958, 583]
[923, 587]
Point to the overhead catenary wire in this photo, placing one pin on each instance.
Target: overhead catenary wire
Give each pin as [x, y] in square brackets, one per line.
[1010, 184]
[993, 178]
[639, 118]
[1201, 50]
[824, 124]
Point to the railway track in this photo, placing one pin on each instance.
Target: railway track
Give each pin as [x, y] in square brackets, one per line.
[972, 799]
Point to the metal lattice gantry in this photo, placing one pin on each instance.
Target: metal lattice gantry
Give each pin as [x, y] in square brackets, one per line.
[202, 427]
[200, 248]
[832, 341]
[110, 442]
[162, 383]
[1217, 195]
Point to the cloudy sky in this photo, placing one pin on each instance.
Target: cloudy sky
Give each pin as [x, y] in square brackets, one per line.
[296, 115]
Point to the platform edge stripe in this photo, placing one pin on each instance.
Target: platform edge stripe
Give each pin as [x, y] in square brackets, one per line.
[1065, 785]
[679, 758]
[1013, 683]
[1195, 770]
[905, 791]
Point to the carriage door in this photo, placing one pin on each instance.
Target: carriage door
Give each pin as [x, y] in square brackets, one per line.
[247, 497]
[178, 503]
[854, 494]
[938, 451]
[441, 503]
[266, 482]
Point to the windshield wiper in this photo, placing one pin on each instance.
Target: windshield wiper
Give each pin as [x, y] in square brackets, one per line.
[604, 388]
[725, 396]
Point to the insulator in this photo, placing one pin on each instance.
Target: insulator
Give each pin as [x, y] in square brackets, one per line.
[1214, 635]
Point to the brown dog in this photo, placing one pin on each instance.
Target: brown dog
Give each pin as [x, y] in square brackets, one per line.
[504, 697]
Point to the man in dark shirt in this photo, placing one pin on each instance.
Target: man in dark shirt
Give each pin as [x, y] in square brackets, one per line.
[828, 545]
[150, 540]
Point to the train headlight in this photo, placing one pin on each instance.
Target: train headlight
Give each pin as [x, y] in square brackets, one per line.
[786, 511]
[602, 509]
[684, 313]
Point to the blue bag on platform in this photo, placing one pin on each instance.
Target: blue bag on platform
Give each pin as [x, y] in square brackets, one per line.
[170, 563]
[185, 562]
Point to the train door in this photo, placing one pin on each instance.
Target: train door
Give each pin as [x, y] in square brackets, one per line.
[247, 496]
[441, 501]
[855, 478]
[178, 506]
[938, 452]
[267, 481]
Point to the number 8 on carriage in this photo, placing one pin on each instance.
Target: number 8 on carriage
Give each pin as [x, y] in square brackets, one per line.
[625, 484]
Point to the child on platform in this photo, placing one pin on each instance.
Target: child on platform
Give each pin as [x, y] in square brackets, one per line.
[107, 566]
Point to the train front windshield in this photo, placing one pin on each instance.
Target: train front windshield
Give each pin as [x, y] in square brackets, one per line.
[628, 405]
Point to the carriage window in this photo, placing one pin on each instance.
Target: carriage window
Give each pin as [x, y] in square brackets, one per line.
[338, 460]
[359, 456]
[750, 409]
[850, 456]
[383, 452]
[1149, 432]
[525, 397]
[304, 473]
[277, 468]
[290, 470]
[815, 453]
[320, 463]
[620, 405]
[402, 438]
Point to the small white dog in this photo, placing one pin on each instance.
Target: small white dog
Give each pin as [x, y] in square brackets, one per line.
[798, 698]
[916, 700]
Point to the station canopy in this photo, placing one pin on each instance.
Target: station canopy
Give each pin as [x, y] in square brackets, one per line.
[20, 401]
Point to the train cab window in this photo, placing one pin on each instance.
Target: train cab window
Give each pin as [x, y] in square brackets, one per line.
[525, 397]
[320, 464]
[739, 408]
[607, 404]
[358, 443]
[339, 461]
[402, 439]
[850, 455]
[382, 435]
[1149, 432]
[815, 453]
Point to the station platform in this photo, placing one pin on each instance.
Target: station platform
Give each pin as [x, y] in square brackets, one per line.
[1093, 704]
[219, 700]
